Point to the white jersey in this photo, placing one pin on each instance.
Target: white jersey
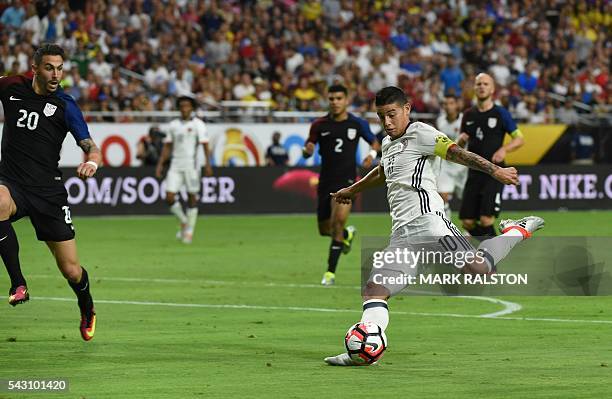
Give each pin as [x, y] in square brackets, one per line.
[411, 163]
[452, 130]
[185, 136]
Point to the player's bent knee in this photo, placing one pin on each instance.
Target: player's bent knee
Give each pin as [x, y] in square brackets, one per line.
[71, 271]
[6, 203]
[375, 291]
[468, 224]
[486, 221]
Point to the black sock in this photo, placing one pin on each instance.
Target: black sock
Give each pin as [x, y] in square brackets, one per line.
[335, 249]
[488, 231]
[478, 232]
[81, 289]
[9, 250]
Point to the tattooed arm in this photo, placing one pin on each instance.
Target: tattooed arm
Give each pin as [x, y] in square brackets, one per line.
[94, 158]
[459, 155]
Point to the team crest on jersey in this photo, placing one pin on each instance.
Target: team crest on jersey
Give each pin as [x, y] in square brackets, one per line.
[351, 133]
[492, 122]
[49, 109]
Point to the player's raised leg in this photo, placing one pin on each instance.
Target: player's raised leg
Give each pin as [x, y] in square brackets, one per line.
[497, 248]
[65, 253]
[9, 249]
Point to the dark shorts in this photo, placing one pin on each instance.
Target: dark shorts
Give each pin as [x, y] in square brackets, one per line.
[324, 199]
[48, 211]
[481, 197]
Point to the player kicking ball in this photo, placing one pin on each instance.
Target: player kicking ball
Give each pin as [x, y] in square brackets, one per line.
[409, 157]
[38, 115]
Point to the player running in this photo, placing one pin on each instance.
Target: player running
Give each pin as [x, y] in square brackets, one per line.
[338, 135]
[38, 114]
[410, 155]
[183, 136]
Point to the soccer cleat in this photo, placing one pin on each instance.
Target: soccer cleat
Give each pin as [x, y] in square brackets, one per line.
[181, 232]
[526, 225]
[18, 295]
[329, 278]
[342, 359]
[88, 325]
[187, 236]
[347, 243]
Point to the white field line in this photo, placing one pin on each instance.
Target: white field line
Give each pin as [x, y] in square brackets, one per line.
[326, 310]
[508, 307]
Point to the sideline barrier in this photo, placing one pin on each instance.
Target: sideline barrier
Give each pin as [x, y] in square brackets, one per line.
[135, 191]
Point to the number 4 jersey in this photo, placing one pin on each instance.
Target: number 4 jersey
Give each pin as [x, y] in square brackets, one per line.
[34, 129]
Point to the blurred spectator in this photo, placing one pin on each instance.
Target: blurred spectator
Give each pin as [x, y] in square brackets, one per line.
[276, 154]
[567, 114]
[451, 77]
[214, 49]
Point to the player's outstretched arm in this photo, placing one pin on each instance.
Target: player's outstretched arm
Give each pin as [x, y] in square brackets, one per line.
[94, 159]
[459, 155]
[375, 178]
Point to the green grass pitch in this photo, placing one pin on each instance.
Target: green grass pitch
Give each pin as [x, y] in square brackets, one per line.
[239, 313]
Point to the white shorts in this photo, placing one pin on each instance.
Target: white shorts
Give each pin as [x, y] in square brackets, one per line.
[452, 179]
[189, 178]
[431, 232]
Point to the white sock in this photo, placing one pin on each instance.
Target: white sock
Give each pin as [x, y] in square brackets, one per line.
[447, 210]
[192, 217]
[498, 247]
[177, 210]
[377, 312]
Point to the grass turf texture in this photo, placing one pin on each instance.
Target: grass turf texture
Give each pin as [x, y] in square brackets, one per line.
[160, 351]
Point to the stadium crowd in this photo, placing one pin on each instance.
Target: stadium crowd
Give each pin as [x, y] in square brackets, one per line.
[550, 58]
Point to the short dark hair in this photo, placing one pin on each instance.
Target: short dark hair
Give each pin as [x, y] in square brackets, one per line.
[48, 49]
[193, 101]
[391, 95]
[337, 88]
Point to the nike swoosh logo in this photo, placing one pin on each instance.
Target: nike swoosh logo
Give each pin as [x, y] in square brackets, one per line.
[325, 133]
[12, 98]
[469, 123]
[3, 238]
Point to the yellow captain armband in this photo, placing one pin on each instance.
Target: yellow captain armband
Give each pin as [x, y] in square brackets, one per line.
[442, 145]
[516, 133]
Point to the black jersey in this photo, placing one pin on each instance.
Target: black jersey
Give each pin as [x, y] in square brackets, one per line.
[487, 129]
[35, 127]
[338, 142]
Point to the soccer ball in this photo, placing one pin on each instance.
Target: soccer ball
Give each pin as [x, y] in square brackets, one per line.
[365, 343]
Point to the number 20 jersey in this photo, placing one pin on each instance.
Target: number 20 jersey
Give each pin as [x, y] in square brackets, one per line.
[34, 129]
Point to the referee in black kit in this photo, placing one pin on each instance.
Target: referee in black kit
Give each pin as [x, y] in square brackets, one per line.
[483, 127]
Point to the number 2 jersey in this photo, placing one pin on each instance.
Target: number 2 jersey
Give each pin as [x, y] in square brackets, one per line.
[35, 127]
[411, 163]
[338, 142]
